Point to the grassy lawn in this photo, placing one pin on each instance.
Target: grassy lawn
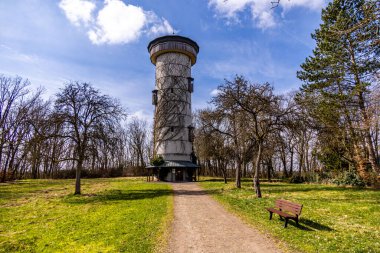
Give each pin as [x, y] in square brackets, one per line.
[113, 215]
[333, 219]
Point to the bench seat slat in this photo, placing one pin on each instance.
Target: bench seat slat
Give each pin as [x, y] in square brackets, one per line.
[287, 203]
[289, 206]
[283, 214]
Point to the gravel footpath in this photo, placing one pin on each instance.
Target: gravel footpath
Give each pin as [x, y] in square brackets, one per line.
[203, 225]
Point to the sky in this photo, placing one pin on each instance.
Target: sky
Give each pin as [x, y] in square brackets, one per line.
[104, 42]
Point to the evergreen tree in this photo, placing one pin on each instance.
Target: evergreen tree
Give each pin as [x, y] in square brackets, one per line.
[338, 77]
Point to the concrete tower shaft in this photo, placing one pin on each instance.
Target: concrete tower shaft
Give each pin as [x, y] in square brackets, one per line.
[173, 57]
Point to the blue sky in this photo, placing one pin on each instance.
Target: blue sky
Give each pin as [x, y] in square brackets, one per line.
[104, 42]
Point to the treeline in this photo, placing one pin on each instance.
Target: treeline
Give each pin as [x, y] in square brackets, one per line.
[252, 132]
[79, 128]
[328, 130]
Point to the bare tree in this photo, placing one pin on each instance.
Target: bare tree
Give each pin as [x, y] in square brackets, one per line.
[227, 121]
[214, 148]
[16, 105]
[85, 115]
[264, 113]
[137, 140]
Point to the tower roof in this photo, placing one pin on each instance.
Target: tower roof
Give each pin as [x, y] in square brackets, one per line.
[173, 43]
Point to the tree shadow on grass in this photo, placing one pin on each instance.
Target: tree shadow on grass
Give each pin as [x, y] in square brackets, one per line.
[308, 188]
[195, 192]
[16, 190]
[214, 180]
[243, 180]
[116, 195]
[129, 195]
[315, 225]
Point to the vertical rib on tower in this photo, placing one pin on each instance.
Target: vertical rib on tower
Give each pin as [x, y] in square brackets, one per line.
[173, 57]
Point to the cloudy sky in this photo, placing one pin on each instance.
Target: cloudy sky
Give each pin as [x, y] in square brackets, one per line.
[104, 42]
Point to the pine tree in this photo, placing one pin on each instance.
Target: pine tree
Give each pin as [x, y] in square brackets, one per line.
[338, 76]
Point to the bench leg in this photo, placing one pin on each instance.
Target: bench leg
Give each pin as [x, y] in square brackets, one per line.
[286, 222]
[297, 221]
[270, 215]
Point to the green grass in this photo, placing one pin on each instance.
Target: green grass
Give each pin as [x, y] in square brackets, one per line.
[112, 215]
[333, 219]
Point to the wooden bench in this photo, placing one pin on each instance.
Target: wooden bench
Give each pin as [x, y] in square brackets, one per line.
[286, 209]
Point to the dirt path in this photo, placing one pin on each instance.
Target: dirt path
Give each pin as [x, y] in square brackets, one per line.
[203, 225]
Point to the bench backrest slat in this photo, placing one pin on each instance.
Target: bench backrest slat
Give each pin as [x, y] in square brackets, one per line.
[288, 206]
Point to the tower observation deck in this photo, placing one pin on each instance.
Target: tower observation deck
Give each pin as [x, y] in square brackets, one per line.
[173, 57]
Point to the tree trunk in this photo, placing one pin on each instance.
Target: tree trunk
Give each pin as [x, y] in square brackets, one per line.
[371, 152]
[291, 161]
[300, 151]
[4, 175]
[209, 169]
[256, 180]
[376, 139]
[77, 176]
[283, 159]
[6, 168]
[269, 169]
[3, 169]
[359, 160]
[307, 157]
[141, 154]
[237, 174]
[224, 172]
[300, 163]
[360, 164]
[282, 152]
[367, 135]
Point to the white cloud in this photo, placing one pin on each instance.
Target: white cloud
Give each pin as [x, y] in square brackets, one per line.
[116, 22]
[261, 10]
[78, 11]
[214, 92]
[159, 25]
[229, 8]
[262, 14]
[311, 4]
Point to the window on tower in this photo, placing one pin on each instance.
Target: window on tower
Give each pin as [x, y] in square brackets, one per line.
[191, 133]
[190, 84]
[154, 97]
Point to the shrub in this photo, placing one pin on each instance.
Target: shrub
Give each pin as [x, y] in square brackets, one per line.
[157, 161]
[349, 178]
[297, 179]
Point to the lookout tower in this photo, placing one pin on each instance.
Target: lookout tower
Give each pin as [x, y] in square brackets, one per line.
[173, 57]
